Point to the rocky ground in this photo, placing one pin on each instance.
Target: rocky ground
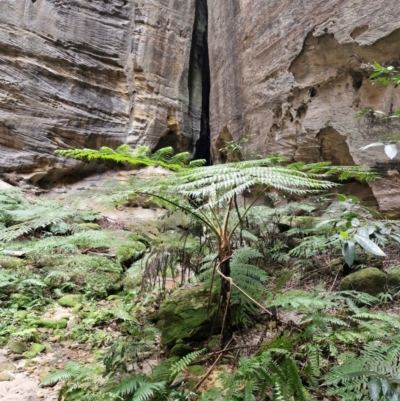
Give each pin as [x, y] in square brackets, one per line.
[20, 377]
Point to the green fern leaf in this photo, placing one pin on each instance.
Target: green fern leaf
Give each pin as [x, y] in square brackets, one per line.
[147, 390]
[184, 362]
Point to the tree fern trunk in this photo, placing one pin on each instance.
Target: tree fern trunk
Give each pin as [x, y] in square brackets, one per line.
[224, 253]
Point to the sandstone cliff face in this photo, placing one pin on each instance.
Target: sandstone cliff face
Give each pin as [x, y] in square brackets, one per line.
[91, 73]
[294, 74]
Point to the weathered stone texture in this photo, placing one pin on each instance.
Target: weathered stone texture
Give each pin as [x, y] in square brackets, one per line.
[295, 73]
[90, 73]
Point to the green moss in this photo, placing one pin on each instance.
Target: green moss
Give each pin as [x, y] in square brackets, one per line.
[17, 347]
[196, 370]
[214, 343]
[186, 315]
[96, 276]
[77, 308]
[370, 280]
[35, 349]
[50, 324]
[393, 279]
[21, 314]
[13, 263]
[181, 350]
[70, 300]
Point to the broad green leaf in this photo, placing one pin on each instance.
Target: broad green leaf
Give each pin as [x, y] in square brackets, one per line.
[366, 231]
[355, 222]
[324, 222]
[391, 395]
[344, 235]
[369, 245]
[391, 150]
[349, 252]
[341, 198]
[384, 231]
[395, 237]
[374, 387]
[385, 386]
[372, 145]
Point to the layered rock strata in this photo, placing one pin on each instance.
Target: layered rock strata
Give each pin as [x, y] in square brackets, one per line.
[91, 73]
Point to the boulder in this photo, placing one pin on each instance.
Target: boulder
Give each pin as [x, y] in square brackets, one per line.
[187, 315]
[393, 279]
[17, 347]
[370, 280]
[70, 300]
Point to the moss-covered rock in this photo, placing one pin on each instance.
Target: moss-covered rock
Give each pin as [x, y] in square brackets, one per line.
[214, 343]
[196, 370]
[96, 276]
[11, 262]
[180, 350]
[35, 349]
[370, 280]
[393, 280]
[17, 347]
[77, 308]
[51, 324]
[21, 314]
[186, 315]
[70, 300]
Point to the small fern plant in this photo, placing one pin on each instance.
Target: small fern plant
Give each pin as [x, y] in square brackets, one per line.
[273, 374]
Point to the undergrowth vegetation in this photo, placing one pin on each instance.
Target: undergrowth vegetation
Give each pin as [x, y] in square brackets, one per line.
[278, 329]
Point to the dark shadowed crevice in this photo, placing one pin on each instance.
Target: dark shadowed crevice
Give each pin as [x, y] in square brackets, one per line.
[199, 85]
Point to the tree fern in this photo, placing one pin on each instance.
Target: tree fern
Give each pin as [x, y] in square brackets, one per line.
[216, 187]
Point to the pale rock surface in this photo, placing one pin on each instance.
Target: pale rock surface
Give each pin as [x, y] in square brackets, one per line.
[294, 74]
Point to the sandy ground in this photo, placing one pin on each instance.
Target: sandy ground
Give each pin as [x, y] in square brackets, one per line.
[26, 377]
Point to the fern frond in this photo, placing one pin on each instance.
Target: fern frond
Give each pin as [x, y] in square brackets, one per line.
[129, 386]
[141, 156]
[54, 378]
[42, 219]
[147, 390]
[184, 362]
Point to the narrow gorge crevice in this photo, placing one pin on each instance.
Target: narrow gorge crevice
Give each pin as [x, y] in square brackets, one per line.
[199, 85]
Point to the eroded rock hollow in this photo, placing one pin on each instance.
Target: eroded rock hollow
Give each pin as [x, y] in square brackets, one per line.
[293, 74]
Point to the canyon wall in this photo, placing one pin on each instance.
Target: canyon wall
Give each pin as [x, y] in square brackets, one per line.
[293, 74]
[91, 73]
